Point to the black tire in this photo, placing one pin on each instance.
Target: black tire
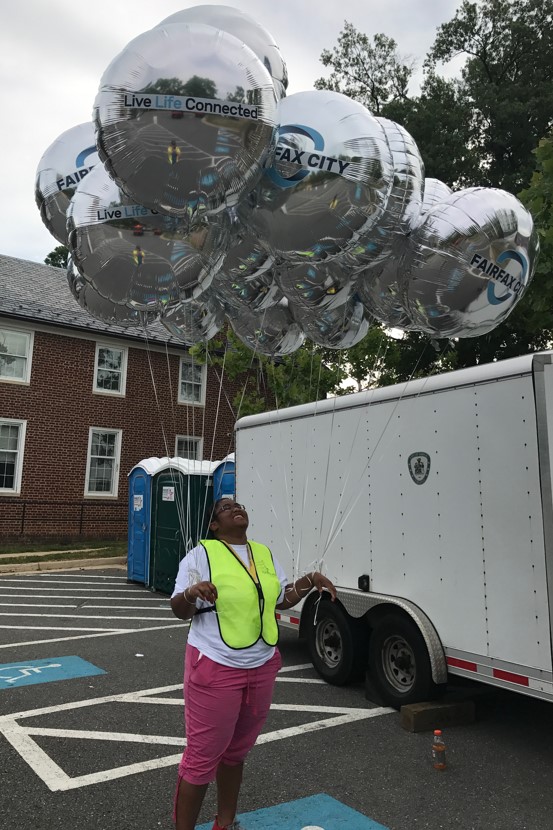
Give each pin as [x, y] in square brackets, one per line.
[399, 664]
[337, 643]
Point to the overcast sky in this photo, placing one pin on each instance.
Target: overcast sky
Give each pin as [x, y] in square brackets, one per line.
[53, 53]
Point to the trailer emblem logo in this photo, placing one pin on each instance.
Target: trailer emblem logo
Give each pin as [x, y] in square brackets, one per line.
[419, 466]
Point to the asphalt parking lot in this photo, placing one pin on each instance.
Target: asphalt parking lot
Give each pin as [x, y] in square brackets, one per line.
[91, 730]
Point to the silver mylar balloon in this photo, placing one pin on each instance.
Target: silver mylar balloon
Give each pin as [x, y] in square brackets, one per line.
[196, 320]
[185, 117]
[255, 293]
[404, 202]
[99, 307]
[381, 286]
[246, 276]
[272, 332]
[338, 328]
[134, 255]
[316, 286]
[435, 191]
[63, 165]
[381, 289]
[246, 29]
[246, 256]
[329, 181]
[474, 255]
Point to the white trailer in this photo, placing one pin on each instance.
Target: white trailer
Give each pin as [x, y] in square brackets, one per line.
[429, 505]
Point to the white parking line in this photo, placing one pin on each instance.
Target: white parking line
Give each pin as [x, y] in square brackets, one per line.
[110, 607]
[33, 605]
[110, 633]
[83, 599]
[84, 607]
[108, 590]
[54, 576]
[20, 737]
[64, 582]
[84, 617]
[56, 628]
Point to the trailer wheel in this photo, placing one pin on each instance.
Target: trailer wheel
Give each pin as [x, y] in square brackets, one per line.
[337, 643]
[399, 665]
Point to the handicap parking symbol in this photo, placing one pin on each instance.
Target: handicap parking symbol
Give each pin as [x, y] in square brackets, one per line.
[317, 812]
[29, 672]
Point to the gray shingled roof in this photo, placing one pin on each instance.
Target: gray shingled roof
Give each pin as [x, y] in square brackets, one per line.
[40, 293]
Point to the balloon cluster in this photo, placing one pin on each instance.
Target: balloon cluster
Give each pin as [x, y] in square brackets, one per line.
[202, 194]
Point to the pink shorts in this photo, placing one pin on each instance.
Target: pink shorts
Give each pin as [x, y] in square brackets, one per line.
[225, 709]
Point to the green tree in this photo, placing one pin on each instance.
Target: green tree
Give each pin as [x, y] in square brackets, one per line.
[370, 72]
[477, 130]
[265, 382]
[58, 257]
[507, 79]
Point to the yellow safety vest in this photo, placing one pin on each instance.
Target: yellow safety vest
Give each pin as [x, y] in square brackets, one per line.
[246, 600]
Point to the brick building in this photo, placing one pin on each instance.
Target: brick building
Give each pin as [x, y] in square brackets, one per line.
[81, 402]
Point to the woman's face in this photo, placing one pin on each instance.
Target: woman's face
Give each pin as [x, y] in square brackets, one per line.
[229, 514]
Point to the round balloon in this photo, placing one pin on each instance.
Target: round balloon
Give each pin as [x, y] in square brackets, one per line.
[272, 332]
[186, 118]
[245, 28]
[474, 255]
[329, 181]
[381, 284]
[256, 293]
[246, 256]
[404, 202]
[381, 288]
[134, 255]
[63, 165]
[338, 328]
[435, 191]
[316, 286]
[90, 300]
[196, 320]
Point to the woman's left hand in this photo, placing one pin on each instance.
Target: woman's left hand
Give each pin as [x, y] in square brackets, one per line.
[322, 583]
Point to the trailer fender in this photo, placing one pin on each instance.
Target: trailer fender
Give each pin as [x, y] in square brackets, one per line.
[359, 603]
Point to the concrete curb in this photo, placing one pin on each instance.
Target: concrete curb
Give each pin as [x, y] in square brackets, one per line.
[65, 564]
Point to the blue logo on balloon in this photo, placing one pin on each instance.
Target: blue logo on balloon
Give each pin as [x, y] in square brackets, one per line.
[490, 268]
[515, 286]
[295, 129]
[83, 155]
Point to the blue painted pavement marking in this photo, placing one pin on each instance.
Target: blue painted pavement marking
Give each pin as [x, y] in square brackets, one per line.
[317, 812]
[28, 672]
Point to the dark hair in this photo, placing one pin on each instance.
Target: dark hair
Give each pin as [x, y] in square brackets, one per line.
[210, 533]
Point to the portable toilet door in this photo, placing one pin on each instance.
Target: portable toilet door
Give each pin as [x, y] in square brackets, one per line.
[138, 552]
[224, 484]
[181, 507]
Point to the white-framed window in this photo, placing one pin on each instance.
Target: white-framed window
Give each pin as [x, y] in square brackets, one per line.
[16, 350]
[102, 465]
[12, 442]
[187, 446]
[110, 370]
[191, 381]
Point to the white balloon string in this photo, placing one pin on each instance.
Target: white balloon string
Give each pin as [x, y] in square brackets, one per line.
[180, 513]
[348, 465]
[216, 423]
[325, 485]
[179, 494]
[353, 502]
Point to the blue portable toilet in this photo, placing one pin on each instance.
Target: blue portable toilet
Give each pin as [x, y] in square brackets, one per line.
[151, 511]
[224, 479]
[140, 511]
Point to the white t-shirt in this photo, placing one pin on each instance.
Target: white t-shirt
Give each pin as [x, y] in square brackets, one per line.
[204, 630]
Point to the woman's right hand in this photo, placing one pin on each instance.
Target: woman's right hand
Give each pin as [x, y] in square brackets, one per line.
[201, 590]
